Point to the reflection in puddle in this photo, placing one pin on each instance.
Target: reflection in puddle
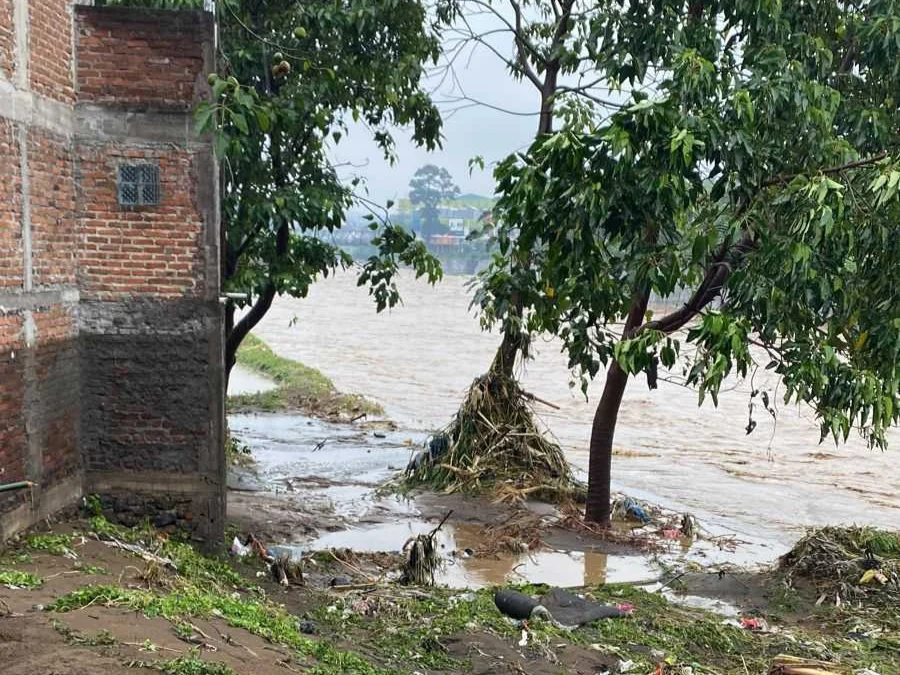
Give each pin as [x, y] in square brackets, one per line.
[558, 568]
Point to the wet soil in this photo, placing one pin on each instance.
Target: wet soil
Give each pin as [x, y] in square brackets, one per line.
[318, 485]
[99, 640]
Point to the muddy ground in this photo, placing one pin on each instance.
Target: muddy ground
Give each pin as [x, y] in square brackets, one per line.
[72, 601]
[96, 609]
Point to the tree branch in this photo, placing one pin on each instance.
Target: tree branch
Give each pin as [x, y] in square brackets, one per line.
[520, 47]
[862, 163]
[719, 270]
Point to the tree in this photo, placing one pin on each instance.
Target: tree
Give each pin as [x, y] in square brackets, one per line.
[430, 186]
[755, 162]
[493, 441]
[291, 75]
[546, 41]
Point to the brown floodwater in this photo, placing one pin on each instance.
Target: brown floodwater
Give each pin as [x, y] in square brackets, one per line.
[418, 359]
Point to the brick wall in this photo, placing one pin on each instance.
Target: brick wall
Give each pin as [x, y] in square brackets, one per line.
[111, 332]
[7, 39]
[145, 250]
[10, 209]
[12, 425]
[51, 48]
[52, 190]
[125, 58]
[149, 320]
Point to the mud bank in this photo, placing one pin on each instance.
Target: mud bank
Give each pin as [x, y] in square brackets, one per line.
[319, 485]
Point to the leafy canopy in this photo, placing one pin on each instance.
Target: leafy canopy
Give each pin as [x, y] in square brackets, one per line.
[753, 163]
[292, 76]
[430, 186]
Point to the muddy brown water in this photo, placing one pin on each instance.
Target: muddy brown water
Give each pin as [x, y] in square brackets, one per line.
[315, 486]
[418, 359]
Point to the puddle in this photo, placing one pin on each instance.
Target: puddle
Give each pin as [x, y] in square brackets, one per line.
[331, 472]
[243, 381]
[557, 568]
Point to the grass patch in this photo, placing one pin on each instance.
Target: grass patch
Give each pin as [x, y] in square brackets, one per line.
[54, 544]
[185, 665]
[17, 579]
[102, 638]
[257, 616]
[299, 387]
[209, 588]
[411, 630]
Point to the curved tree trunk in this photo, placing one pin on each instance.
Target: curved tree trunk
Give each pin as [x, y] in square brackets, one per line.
[603, 429]
[601, 448]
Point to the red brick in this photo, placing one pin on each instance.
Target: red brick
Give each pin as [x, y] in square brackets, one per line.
[125, 59]
[7, 40]
[51, 48]
[11, 261]
[147, 251]
[52, 210]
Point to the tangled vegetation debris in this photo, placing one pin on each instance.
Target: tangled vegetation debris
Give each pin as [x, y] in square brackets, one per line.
[494, 446]
[855, 564]
[422, 558]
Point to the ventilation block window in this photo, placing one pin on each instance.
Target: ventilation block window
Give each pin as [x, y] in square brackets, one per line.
[138, 185]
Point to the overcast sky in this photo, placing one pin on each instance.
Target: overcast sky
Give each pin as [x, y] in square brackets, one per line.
[469, 131]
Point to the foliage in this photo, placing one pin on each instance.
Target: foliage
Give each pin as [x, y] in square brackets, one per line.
[299, 386]
[55, 544]
[292, 76]
[18, 579]
[185, 665]
[750, 158]
[430, 186]
[259, 617]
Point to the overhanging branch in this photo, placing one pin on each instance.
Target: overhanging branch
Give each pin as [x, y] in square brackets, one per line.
[719, 269]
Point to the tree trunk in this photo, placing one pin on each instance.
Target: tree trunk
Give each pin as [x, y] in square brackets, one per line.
[602, 432]
[603, 429]
[236, 335]
[505, 359]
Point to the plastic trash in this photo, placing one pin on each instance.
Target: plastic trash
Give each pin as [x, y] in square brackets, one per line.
[515, 605]
[633, 508]
[238, 549]
[294, 554]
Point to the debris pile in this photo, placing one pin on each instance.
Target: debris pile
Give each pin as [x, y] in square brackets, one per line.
[493, 445]
[855, 564]
[421, 557]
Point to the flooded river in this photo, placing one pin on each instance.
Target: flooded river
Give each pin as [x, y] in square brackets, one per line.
[418, 359]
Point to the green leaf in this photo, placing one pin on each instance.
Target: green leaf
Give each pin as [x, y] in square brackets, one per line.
[241, 123]
[203, 118]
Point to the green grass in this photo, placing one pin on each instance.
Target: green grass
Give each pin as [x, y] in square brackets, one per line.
[185, 665]
[299, 387]
[207, 587]
[19, 579]
[412, 630]
[55, 544]
[407, 632]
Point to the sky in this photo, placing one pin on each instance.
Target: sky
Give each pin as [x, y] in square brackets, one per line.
[468, 132]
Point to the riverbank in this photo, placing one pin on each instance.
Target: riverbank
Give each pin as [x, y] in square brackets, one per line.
[90, 598]
[297, 387]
